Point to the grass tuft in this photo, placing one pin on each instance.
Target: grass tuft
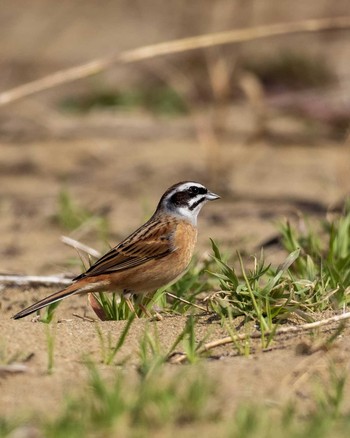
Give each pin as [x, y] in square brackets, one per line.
[145, 404]
[314, 277]
[161, 100]
[325, 260]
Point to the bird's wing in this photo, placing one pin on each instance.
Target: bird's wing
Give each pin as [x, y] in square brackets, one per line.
[154, 240]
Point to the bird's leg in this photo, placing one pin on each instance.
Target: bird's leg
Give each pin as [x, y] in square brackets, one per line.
[144, 309]
[130, 305]
[127, 296]
[139, 304]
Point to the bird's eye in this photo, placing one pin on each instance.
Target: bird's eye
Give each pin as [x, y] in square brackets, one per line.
[194, 190]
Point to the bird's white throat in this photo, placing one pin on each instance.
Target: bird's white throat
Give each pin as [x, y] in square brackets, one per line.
[184, 212]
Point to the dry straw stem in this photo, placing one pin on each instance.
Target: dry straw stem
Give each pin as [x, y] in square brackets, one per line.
[167, 48]
[34, 280]
[80, 246]
[51, 280]
[185, 301]
[181, 357]
[13, 368]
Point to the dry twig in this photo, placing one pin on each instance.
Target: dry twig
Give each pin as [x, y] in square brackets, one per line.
[170, 295]
[34, 280]
[13, 368]
[80, 246]
[169, 47]
[181, 357]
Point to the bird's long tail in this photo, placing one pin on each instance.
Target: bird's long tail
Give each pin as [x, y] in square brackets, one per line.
[75, 288]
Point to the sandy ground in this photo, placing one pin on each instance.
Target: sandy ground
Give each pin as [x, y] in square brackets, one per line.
[118, 165]
[122, 180]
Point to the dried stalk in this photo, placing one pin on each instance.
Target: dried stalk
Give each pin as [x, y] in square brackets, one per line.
[13, 368]
[80, 246]
[170, 295]
[34, 280]
[169, 47]
[181, 357]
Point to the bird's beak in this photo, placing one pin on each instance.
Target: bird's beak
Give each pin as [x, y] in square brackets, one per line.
[210, 196]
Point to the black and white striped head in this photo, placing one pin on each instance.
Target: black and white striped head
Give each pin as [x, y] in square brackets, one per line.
[185, 199]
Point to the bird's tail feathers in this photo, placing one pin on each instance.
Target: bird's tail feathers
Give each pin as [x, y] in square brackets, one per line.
[73, 289]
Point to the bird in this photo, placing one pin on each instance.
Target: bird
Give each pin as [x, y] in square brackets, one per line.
[158, 253]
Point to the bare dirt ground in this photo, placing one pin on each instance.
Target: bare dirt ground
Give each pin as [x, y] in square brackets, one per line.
[122, 180]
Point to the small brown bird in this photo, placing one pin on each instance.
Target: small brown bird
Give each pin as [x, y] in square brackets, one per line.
[155, 255]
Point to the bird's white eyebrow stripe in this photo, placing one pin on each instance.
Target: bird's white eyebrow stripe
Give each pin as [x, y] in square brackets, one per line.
[185, 186]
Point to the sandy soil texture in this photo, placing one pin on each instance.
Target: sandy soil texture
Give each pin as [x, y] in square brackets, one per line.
[122, 181]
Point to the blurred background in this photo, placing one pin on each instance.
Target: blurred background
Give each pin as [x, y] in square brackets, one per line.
[265, 123]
